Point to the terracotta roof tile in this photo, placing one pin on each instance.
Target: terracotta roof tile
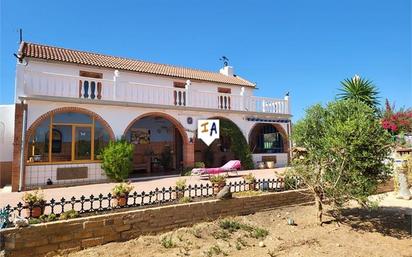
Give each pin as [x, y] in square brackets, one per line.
[80, 57]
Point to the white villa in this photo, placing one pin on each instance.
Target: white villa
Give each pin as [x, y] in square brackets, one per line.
[69, 104]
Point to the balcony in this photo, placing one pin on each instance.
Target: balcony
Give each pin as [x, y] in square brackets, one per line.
[59, 85]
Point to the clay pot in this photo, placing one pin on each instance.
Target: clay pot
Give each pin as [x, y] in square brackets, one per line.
[217, 187]
[251, 186]
[36, 211]
[121, 201]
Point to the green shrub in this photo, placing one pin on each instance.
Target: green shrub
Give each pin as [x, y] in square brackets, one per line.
[221, 234]
[71, 214]
[185, 199]
[181, 184]
[35, 198]
[199, 165]
[217, 179]
[249, 178]
[166, 158]
[117, 159]
[48, 218]
[230, 225]
[122, 189]
[186, 171]
[239, 145]
[167, 242]
[33, 221]
[291, 182]
[259, 233]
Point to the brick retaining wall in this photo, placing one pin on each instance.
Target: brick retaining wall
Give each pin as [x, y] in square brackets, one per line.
[73, 235]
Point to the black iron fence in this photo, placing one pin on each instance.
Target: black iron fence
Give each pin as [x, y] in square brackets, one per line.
[159, 196]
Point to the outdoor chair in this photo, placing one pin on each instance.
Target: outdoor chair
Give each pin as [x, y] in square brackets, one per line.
[230, 166]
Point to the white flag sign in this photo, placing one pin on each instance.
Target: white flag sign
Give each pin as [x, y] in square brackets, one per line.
[208, 130]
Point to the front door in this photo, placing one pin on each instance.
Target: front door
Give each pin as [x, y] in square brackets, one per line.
[82, 143]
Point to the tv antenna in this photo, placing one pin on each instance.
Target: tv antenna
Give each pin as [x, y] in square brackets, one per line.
[225, 60]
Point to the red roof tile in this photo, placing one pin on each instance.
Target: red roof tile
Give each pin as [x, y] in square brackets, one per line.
[80, 57]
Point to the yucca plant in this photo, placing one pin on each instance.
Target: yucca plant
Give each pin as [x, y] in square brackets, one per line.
[359, 89]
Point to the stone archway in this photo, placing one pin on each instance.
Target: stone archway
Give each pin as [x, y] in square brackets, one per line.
[231, 145]
[257, 130]
[158, 137]
[31, 130]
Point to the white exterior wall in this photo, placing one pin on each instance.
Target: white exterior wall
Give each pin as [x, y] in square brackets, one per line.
[6, 132]
[37, 175]
[119, 117]
[281, 158]
[127, 76]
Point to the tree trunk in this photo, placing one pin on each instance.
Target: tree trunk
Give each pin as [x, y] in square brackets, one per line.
[319, 207]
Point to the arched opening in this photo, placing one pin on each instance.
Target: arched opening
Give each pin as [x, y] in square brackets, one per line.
[230, 146]
[67, 135]
[266, 138]
[159, 142]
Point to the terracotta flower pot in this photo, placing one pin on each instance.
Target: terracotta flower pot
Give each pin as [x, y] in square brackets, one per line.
[218, 186]
[251, 186]
[121, 201]
[36, 210]
[179, 194]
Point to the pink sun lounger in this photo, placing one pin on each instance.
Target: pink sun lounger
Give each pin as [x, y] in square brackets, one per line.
[233, 165]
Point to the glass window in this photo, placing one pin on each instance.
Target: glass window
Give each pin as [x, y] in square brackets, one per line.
[65, 134]
[72, 117]
[101, 139]
[56, 141]
[268, 140]
[38, 145]
[83, 143]
[71, 139]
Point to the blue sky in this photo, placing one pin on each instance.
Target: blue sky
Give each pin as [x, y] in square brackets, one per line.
[305, 47]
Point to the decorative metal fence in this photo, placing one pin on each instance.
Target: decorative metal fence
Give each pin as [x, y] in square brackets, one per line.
[156, 197]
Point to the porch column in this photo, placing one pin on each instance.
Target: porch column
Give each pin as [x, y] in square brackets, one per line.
[17, 147]
[188, 154]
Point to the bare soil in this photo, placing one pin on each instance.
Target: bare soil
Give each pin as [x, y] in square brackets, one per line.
[380, 232]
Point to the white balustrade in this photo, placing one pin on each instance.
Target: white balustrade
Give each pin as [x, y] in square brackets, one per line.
[59, 85]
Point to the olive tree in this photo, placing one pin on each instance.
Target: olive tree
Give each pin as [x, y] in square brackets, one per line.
[346, 152]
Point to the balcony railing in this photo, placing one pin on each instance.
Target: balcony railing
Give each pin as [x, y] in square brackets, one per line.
[52, 84]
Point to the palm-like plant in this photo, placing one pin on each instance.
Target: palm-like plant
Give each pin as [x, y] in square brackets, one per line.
[359, 89]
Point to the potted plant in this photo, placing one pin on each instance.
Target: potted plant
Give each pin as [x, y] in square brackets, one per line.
[218, 182]
[121, 193]
[180, 188]
[166, 158]
[250, 181]
[35, 203]
[199, 165]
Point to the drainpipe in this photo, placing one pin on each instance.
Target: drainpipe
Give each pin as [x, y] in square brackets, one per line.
[23, 140]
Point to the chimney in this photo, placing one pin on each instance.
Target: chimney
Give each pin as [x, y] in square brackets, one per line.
[227, 71]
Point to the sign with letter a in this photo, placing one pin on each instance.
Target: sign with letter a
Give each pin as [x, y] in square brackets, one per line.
[208, 130]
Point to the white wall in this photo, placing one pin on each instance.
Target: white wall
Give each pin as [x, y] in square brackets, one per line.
[126, 76]
[281, 158]
[6, 132]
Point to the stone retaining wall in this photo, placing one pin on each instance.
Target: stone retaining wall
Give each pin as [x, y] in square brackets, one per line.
[73, 235]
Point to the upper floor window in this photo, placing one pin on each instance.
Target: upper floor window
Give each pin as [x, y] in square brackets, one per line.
[224, 90]
[178, 84]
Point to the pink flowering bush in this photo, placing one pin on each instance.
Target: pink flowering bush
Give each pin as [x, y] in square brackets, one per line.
[397, 122]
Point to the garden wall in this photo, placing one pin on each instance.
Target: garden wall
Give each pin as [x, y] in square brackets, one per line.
[72, 235]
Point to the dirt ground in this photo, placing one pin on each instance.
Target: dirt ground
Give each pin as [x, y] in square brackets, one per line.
[380, 232]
